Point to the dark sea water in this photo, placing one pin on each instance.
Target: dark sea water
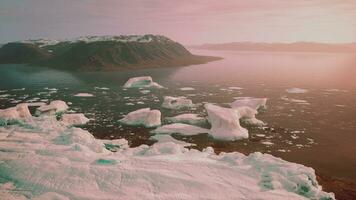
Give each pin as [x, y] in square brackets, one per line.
[316, 128]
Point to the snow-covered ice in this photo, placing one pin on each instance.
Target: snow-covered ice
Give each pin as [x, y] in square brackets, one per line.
[52, 161]
[145, 117]
[189, 118]
[297, 90]
[18, 112]
[161, 138]
[74, 119]
[142, 82]
[225, 124]
[175, 103]
[254, 103]
[53, 107]
[248, 115]
[183, 129]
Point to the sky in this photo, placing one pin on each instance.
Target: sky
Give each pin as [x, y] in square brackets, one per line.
[186, 21]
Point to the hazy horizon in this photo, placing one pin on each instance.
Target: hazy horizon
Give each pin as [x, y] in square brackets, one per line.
[188, 22]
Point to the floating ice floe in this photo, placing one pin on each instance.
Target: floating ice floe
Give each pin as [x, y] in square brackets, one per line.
[177, 102]
[189, 118]
[297, 90]
[142, 82]
[186, 89]
[183, 129]
[74, 119]
[52, 161]
[144, 116]
[254, 103]
[298, 101]
[52, 108]
[83, 95]
[225, 123]
[235, 88]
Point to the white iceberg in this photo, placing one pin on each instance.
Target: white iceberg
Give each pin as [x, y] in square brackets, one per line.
[144, 116]
[53, 107]
[183, 129]
[225, 123]
[83, 95]
[142, 82]
[74, 119]
[254, 103]
[248, 115]
[296, 90]
[177, 102]
[69, 163]
[189, 118]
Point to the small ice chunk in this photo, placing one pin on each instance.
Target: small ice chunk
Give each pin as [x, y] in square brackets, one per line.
[254, 103]
[177, 102]
[74, 119]
[183, 129]
[141, 82]
[268, 143]
[145, 91]
[83, 95]
[235, 88]
[101, 88]
[225, 123]
[189, 118]
[54, 107]
[186, 89]
[144, 116]
[296, 90]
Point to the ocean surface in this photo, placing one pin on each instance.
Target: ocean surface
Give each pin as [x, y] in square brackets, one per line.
[315, 127]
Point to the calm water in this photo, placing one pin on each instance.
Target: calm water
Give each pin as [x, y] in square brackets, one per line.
[316, 128]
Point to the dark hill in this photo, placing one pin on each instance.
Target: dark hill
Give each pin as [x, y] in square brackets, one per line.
[103, 53]
[22, 53]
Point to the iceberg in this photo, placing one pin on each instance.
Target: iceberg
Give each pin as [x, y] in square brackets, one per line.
[53, 161]
[56, 106]
[183, 129]
[225, 123]
[248, 115]
[254, 103]
[74, 119]
[188, 118]
[142, 82]
[144, 116]
[176, 103]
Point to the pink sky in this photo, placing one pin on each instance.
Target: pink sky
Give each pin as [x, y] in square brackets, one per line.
[187, 21]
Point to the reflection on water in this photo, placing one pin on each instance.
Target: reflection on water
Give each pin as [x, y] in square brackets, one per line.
[317, 128]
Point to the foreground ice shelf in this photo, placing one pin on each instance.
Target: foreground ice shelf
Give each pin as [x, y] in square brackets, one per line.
[49, 160]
